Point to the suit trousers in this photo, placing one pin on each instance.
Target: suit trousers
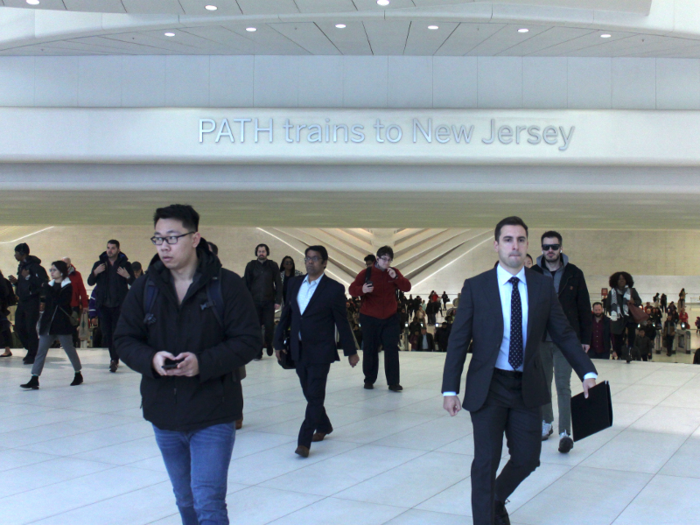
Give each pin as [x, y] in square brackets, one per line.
[555, 363]
[384, 332]
[266, 318]
[109, 317]
[313, 378]
[26, 319]
[503, 411]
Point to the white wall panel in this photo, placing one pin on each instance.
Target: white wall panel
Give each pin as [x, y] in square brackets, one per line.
[633, 83]
[590, 83]
[365, 82]
[500, 82]
[187, 81]
[276, 82]
[143, 83]
[677, 83]
[231, 81]
[320, 82]
[410, 82]
[544, 82]
[16, 81]
[56, 81]
[455, 82]
[100, 81]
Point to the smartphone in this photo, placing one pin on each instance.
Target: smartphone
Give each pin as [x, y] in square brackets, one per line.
[170, 364]
[369, 283]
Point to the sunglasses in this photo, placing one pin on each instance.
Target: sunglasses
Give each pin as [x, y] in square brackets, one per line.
[547, 247]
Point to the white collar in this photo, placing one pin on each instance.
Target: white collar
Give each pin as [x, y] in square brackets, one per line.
[504, 276]
[306, 279]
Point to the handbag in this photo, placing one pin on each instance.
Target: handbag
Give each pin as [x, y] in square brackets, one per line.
[285, 359]
[74, 319]
[639, 315]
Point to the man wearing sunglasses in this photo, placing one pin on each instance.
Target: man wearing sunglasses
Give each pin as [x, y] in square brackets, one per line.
[570, 285]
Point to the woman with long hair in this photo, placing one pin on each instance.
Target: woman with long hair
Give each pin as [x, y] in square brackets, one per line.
[56, 324]
[287, 270]
[622, 324]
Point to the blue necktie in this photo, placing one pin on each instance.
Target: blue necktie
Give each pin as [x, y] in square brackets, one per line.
[515, 354]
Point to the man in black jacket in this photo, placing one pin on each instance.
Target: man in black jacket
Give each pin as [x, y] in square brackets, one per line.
[570, 285]
[187, 328]
[111, 275]
[315, 307]
[600, 334]
[263, 279]
[30, 278]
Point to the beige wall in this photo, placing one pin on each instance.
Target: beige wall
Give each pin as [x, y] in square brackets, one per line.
[658, 260]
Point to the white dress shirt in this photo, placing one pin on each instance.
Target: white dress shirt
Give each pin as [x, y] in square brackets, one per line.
[306, 292]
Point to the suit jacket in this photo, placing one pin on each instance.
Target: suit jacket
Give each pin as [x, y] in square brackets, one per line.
[480, 319]
[325, 311]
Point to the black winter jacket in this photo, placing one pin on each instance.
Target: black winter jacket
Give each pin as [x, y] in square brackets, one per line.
[575, 301]
[30, 289]
[214, 396]
[120, 285]
[57, 310]
[263, 281]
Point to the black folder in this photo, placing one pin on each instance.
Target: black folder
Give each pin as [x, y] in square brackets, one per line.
[591, 415]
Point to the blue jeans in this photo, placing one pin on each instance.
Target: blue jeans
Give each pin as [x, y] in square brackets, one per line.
[197, 463]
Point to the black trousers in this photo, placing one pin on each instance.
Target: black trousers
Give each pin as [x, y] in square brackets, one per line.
[503, 412]
[108, 322]
[384, 332]
[266, 318]
[313, 383]
[26, 318]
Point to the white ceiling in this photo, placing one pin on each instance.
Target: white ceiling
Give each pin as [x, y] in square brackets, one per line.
[307, 27]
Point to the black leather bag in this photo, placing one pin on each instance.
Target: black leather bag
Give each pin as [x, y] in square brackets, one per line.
[285, 360]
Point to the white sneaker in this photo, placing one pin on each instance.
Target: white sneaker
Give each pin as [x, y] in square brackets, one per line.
[565, 442]
[547, 430]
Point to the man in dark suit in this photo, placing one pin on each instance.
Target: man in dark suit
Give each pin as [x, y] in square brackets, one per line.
[505, 312]
[315, 306]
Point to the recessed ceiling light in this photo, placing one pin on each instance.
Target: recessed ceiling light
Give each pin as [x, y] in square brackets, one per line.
[33, 2]
[523, 30]
[605, 35]
[169, 34]
[433, 28]
[251, 29]
[340, 26]
[383, 2]
[210, 7]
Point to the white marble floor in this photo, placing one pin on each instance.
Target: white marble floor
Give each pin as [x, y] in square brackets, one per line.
[84, 455]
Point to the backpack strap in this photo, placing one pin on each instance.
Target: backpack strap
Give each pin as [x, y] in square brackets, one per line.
[149, 299]
[215, 298]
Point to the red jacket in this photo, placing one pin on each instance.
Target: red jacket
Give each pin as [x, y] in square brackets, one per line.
[80, 296]
[381, 303]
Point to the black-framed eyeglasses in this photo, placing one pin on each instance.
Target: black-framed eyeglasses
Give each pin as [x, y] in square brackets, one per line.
[385, 258]
[313, 259]
[169, 239]
[547, 247]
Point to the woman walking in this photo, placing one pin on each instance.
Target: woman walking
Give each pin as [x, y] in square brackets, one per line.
[287, 271]
[623, 326]
[56, 324]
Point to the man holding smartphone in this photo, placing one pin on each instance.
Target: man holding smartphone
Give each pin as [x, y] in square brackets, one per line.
[187, 328]
[377, 285]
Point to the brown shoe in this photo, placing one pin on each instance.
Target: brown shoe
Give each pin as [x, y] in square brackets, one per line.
[302, 451]
[239, 424]
[319, 436]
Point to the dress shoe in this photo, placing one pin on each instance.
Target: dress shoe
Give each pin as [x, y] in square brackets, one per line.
[565, 442]
[369, 386]
[269, 352]
[547, 430]
[28, 360]
[113, 365]
[501, 514]
[319, 436]
[395, 388]
[239, 424]
[33, 383]
[302, 451]
[77, 380]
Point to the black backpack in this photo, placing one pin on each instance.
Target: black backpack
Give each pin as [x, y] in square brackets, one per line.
[214, 299]
[11, 298]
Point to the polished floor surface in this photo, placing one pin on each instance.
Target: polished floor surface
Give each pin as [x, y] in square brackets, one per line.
[84, 455]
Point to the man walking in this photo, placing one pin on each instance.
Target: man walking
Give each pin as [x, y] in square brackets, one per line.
[263, 279]
[570, 285]
[315, 307]
[111, 275]
[377, 286]
[505, 313]
[187, 328]
[30, 277]
[601, 338]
